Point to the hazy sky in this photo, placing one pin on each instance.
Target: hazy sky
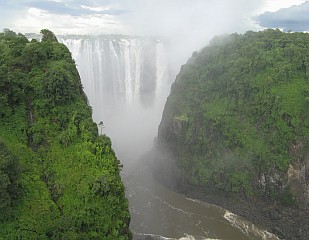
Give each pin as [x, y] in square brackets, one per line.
[139, 17]
[187, 24]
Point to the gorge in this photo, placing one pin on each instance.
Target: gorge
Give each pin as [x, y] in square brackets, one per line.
[127, 81]
[234, 133]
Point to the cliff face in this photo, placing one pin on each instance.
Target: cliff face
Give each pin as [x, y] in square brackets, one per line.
[237, 118]
[58, 178]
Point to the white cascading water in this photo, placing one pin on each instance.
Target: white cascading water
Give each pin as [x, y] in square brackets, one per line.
[127, 82]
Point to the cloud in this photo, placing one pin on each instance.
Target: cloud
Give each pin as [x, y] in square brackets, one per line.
[36, 19]
[72, 8]
[138, 17]
[172, 18]
[295, 18]
[275, 5]
[59, 8]
[63, 16]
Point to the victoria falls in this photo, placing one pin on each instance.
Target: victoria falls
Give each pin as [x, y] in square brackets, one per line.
[126, 79]
[154, 120]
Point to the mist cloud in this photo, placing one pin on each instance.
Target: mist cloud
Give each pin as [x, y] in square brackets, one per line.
[189, 25]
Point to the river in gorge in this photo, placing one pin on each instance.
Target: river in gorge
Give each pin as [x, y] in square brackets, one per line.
[127, 80]
[163, 214]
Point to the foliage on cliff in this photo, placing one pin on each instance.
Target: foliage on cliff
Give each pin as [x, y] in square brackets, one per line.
[237, 118]
[58, 178]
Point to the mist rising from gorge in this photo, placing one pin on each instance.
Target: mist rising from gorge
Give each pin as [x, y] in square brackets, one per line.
[127, 80]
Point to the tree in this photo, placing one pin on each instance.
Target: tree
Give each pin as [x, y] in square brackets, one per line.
[48, 36]
[33, 55]
[9, 33]
[101, 126]
[59, 86]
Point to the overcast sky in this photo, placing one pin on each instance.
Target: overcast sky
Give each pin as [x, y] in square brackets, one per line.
[138, 17]
[187, 24]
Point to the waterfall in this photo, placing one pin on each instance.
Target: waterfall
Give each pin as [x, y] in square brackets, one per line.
[127, 81]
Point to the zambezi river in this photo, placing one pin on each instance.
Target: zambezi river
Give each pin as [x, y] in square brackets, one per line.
[162, 214]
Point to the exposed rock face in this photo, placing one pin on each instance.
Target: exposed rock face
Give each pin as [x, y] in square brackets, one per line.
[297, 179]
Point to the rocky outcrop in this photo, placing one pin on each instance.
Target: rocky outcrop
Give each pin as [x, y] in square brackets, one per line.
[298, 180]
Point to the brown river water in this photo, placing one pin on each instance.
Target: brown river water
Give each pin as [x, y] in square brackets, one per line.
[158, 212]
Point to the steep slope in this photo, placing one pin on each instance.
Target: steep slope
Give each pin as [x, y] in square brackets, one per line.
[58, 178]
[237, 122]
[237, 118]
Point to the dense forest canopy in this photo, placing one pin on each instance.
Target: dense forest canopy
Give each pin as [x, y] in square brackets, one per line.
[237, 118]
[58, 178]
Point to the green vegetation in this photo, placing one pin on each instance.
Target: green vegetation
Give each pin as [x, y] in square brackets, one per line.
[244, 101]
[58, 178]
